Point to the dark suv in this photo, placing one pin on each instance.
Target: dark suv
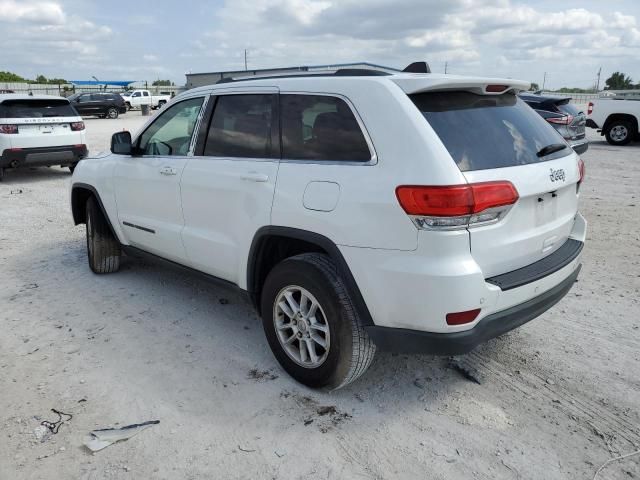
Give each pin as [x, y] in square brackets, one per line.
[568, 120]
[103, 105]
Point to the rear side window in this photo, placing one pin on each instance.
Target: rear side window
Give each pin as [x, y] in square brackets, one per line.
[36, 108]
[243, 127]
[488, 131]
[316, 127]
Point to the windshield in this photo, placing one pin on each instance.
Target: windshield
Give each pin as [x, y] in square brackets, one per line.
[488, 131]
[37, 108]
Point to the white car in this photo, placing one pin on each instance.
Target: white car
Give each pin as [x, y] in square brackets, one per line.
[406, 212]
[137, 98]
[617, 118]
[39, 130]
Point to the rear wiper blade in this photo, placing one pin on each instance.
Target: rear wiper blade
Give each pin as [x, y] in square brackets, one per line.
[549, 149]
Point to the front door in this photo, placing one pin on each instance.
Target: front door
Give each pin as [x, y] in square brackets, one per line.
[228, 186]
[147, 184]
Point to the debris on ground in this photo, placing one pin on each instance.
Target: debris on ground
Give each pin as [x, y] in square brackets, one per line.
[256, 374]
[326, 410]
[248, 450]
[463, 367]
[55, 425]
[99, 439]
[42, 433]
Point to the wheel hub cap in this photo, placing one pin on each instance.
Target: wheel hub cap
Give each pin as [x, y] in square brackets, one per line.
[301, 326]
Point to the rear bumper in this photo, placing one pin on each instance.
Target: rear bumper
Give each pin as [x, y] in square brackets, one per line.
[415, 341]
[591, 124]
[43, 156]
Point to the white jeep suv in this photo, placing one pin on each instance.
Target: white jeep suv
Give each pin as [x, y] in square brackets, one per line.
[404, 212]
[38, 131]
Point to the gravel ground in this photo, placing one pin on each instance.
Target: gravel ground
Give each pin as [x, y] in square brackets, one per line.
[555, 399]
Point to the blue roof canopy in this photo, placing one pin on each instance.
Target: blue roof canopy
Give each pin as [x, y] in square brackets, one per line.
[119, 83]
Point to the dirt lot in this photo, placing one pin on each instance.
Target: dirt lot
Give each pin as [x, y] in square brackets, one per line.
[556, 398]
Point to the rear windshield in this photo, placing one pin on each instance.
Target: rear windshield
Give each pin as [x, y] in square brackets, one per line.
[488, 131]
[569, 109]
[36, 108]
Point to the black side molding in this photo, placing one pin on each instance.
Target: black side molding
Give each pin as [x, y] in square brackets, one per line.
[540, 269]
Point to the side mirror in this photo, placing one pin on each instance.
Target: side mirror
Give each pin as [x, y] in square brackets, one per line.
[121, 143]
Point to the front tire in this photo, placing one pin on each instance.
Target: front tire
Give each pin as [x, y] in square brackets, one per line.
[619, 132]
[103, 249]
[312, 325]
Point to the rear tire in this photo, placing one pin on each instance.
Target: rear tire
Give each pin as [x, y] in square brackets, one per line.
[321, 346]
[128, 105]
[1, 173]
[112, 113]
[103, 249]
[619, 132]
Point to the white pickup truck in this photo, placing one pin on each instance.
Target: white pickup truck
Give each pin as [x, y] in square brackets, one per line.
[617, 118]
[143, 97]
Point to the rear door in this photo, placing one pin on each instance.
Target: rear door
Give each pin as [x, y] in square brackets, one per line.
[147, 186]
[228, 186]
[500, 138]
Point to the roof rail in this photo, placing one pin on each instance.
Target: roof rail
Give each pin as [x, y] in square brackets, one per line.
[342, 72]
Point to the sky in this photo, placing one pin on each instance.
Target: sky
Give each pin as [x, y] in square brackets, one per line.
[147, 40]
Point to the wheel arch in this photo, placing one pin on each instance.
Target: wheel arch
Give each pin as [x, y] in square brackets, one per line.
[622, 116]
[272, 244]
[80, 193]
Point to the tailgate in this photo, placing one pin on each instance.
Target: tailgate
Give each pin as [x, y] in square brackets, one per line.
[540, 221]
[498, 138]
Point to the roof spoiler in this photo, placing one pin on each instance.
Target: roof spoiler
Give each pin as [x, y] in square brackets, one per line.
[417, 67]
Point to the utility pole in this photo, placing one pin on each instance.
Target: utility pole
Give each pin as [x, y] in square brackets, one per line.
[245, 59]
[446, 64]
[598, 82]
[544, 81]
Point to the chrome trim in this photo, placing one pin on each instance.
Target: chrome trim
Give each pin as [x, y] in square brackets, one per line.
[196, 129]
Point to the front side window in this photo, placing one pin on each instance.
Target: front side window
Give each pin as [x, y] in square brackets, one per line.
[242, 127]
[171, 132]
[317, 127]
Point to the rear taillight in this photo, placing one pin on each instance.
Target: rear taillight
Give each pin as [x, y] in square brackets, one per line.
[564, 120]
[590, 108]
[77, 126]
[581, 170]
[457, 206]
[9, 129]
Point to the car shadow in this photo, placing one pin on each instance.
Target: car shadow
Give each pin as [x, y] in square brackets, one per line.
[160, 298]
[33, 175]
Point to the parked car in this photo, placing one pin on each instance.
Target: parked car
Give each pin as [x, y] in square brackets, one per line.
[4, 91]
[564, 116]
[616, 117]
[137, 98]
[350, 210]
[103, 105]
[39, 130]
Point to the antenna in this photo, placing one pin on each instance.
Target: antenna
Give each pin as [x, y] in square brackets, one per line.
[245, 60]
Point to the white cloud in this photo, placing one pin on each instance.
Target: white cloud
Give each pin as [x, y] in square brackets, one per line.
[34, 12]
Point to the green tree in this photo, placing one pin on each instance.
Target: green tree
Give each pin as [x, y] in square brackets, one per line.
[162, 83]
[41, 79]
[11, 77]
[618, 81]
[534, 87]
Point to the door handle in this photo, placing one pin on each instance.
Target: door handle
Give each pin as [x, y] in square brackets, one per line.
[168, 171]
[255, 177]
